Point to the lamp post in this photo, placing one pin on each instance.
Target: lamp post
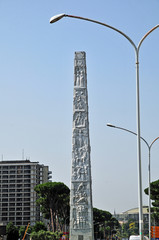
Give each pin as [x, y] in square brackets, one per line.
[136, 48]
[149, 167]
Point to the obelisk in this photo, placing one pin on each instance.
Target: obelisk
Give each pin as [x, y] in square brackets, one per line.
[81, 211]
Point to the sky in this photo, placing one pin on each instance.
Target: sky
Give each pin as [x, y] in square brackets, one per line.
[36, 90]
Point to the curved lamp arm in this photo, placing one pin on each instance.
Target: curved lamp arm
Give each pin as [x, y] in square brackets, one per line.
[154, 141]
[148, 33]
[60, 16]
[127, 130]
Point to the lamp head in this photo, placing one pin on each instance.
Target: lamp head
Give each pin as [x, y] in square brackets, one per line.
[57, 17]
[110, 125]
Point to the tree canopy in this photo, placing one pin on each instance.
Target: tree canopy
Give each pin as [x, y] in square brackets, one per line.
[39, 226]
[12, 232]
[154, 195]
[54, 202]
[104, 223]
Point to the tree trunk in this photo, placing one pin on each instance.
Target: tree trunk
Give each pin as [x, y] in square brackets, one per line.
[52, 224]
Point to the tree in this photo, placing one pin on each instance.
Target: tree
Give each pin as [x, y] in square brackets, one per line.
[99, 216]
[12, 232]
[41, 235]
[21, 231]
[104, 223]
[129, 229]
[54, 201]
[154, 195]
[39, 226]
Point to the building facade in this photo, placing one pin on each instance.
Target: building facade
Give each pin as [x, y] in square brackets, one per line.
[17, 196]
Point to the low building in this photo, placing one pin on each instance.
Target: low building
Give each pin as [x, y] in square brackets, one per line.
[133, 214]
[17, 196]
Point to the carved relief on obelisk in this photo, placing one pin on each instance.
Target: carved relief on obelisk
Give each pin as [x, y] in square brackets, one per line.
[81, 212]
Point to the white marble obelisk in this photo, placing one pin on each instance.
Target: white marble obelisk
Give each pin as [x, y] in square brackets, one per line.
[81, 211]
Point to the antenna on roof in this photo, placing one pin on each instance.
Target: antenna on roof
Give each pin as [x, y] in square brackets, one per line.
[22, 154]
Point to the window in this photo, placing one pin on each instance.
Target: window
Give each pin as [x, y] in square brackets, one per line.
[12, 181]
[19, 176]
[26, 185]
[19, 199]
[4, 218]
[4, 181]
[26, 208]
[5, 176]
[12, 199]
[27, 190]
[4, 204]
[19, 209]
[19, 190]
[11, 209]
[12, 195]
[19, 213]
[27, 213]
[5, 195]
[27, 204]
[12, 176]
[26, 199]
[27, 180]
[19, 181]
[11, 204]
[5, 167]
[26, 194]
[4, 190]
[4, 209]
[11, 190]
[20, 223]
[4, 214]
[12, 167]
[19, 204]
[26, 167]
[26, 176]
[19, 194]
[12, 213]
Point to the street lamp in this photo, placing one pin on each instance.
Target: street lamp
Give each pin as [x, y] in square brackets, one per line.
[149, 167]
[136, 48]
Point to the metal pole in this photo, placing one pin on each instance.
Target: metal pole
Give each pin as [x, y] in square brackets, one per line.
[139, 148]
[149, 193]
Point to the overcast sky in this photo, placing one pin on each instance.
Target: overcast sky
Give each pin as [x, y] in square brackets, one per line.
[36, 90]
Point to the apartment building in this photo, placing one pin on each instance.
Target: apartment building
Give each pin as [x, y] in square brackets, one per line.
[17, 196]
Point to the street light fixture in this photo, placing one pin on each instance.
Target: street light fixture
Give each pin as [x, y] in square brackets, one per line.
[136, 48]
[149, 168]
